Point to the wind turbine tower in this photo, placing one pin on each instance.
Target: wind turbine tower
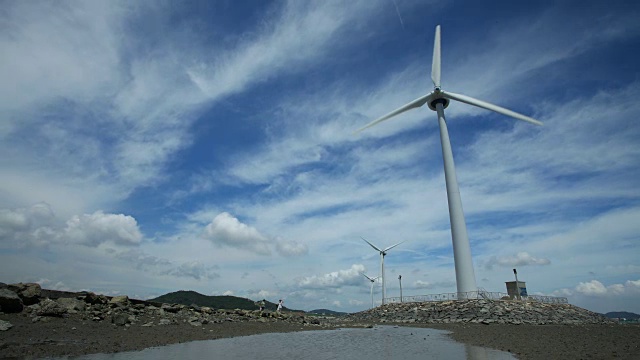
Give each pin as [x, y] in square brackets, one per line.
[373, 280]
[383, 253]
[438, 100]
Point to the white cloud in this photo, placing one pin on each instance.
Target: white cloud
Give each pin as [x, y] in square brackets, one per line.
[336, 279]
[595, 288]
[632, 286]
[299, 35]
[193, 269]
[419, 284]
[228, 293]
[520, 259]
[227, 230]
[99, 228]
[48, 284]
[291, 248]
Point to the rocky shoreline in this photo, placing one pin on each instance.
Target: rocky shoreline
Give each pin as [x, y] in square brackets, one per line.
[36, 323]
[483, 312]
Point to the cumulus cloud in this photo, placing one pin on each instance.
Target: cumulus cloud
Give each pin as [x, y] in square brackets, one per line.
[193, 269]
[419, 284]
[520, 259]
[226, 230]
[53, 285]
[595, 288]
[291, 248]
[26, 225]
[141, 259]
[228, 293]
[38, 226]
[98, 228]
[336, 279]
[259, 294]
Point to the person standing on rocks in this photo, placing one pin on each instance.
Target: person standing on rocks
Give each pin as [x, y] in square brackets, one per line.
[279, 306]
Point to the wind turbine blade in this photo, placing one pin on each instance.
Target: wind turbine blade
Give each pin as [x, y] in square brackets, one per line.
[370, 279]
[485, 105]
[435, 63]
[373, 246]
[392, 246]
[414, 104]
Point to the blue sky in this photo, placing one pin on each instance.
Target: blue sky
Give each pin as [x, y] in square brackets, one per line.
[149, 147]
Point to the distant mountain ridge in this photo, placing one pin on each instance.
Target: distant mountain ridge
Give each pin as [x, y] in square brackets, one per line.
[190, 297]
[327, 312]
[622, 314]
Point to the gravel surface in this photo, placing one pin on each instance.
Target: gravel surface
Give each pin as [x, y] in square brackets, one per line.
[74, 336]
[552, 341]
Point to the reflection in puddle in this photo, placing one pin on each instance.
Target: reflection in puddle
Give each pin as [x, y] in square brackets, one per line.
[381, 342]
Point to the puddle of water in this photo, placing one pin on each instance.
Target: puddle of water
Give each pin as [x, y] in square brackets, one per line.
[382, 342]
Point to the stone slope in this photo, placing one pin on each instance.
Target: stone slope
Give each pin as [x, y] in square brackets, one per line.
[481, 311]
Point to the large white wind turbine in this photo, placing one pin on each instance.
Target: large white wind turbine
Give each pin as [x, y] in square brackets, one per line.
[373, 280]
[438, 100]
[383, 253]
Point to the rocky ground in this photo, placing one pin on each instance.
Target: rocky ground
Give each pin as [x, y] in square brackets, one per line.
[34, 326]
[529, 330]
[36, 323]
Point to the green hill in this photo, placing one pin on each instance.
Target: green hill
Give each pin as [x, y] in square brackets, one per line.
[327, 312]
[217, 302]
[622, 314]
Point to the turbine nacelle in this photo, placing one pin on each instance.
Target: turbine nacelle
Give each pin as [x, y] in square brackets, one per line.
[438, 98]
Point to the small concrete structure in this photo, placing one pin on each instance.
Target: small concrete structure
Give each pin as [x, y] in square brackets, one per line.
[516, 291]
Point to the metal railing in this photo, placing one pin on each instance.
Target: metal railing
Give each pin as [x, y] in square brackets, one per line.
[480, 294]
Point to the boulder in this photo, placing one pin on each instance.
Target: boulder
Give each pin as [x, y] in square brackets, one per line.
[71, 304]
[29, 292]
[93, 299]
[120, 301]
[170, 308]
[120, 319]
[49, 307]
[5, 325]
[10, 302]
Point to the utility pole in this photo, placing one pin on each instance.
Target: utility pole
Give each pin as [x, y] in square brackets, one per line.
[517, 285]
[400, 279]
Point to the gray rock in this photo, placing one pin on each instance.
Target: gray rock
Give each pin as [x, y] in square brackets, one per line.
[120, 319]
[482, 311]
[164, 322]
[49, 307]
[10, 302]
[5, 325]
[28, 292]
[71, 304]
[119, 301]
[170, 308]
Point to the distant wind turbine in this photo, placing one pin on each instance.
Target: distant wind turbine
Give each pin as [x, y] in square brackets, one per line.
[383, 253]
[438, 100]
[373, 280]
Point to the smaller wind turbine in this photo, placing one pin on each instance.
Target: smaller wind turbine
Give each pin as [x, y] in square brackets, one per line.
[373, 280]
[383, 253]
